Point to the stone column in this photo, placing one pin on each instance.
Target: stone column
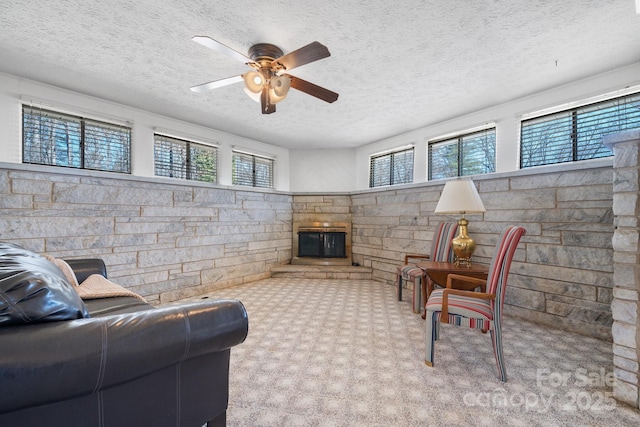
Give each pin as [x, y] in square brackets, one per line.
[626, 264]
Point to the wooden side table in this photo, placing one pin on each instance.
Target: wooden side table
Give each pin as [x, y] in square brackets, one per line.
[439, 271]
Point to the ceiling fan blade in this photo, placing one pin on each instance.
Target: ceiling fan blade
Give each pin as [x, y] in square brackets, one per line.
[313, 90]
[267, 106]
[219, 47]
[216, 84]
[306, 54]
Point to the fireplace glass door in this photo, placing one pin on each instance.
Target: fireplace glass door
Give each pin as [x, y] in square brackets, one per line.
[321, 244]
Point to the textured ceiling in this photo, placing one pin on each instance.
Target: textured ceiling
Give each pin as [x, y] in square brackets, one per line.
[397, 66]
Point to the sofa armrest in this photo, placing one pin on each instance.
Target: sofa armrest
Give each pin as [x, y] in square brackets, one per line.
[45, 363]
[85, 267]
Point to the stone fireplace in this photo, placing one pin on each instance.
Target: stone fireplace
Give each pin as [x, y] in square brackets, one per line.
[321, 230]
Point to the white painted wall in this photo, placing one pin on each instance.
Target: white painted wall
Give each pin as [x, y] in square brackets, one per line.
[14, 91]
[507, 118]
[300, 170]
[322, 170]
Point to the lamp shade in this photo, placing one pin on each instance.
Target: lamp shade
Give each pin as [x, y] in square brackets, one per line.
[460, 196]
[253, 80]
[278, 88]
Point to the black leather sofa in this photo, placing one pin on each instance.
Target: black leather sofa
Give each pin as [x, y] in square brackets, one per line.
[111, 361]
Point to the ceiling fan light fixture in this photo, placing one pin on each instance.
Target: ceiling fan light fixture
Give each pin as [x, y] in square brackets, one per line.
[280, 85]
[253, 95]
[253, 81]
[278, 88]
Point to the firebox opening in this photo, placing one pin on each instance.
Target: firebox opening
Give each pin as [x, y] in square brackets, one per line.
[322, 243]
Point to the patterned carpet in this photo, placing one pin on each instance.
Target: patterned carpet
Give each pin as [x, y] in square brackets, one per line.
[347, 353]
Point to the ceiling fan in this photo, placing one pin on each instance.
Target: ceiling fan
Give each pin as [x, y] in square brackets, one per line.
[269, 82]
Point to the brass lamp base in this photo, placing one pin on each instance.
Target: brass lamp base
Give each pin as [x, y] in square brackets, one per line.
[463, 246]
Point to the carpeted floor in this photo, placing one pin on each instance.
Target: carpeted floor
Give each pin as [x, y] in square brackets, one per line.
[347, 353]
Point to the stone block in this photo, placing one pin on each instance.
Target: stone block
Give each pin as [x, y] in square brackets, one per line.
[586, 238]
[269, 244]
[625, 180]
[213, 197]
[582, 194]
[625, 258]
[605, 295]
[575, 257]
[531, 300]
[625, 311]
[16, 201]
[622, 375]
[627, 393]
[308, 199]
[111, 195]
[241, 215]
[626, 352]
[624, 334]
[570, 289]
[625, 294]
[524, 199]
[493, 185]
[626, 365]
[583, 177]
[30, 186]
[625, 204]
[580, 310]
[167, 257]
[625, 275]
[5, 183]
[625, 240]
[395, 211]
[179, 211]
[30, 227]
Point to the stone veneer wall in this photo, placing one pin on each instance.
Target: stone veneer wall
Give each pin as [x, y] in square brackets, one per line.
[562, 271]
[626, 276]
[169, 241]
[162, 240]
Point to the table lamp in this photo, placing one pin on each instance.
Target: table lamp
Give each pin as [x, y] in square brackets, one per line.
[461, 197]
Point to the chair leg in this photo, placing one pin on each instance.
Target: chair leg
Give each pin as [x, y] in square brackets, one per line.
[431, 335]
[418, 305]
[399, 286]
[496, 340]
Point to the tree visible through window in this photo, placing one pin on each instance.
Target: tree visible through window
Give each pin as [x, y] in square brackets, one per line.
[467, 154]
[177, 158]
[57, 139]
[576, 134]
[251, 170]
[391, 168]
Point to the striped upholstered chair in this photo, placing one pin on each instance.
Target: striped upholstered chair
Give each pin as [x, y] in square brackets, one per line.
[440, 251]
[480, 310]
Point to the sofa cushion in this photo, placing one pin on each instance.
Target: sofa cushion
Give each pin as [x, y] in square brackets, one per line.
[34, 290]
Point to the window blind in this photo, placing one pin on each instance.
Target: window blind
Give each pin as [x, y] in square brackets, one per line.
[576, 134]
[57, 139]
[252, 170]
[466, 154]
[177, 158]
[391, 168]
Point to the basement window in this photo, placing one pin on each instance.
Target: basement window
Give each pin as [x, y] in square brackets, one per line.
[469, 153]
[391, 168]
[251, 170]
[184, 159]
[576, 134]
[59, 139]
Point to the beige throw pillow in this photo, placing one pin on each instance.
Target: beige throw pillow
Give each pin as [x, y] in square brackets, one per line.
[65, 268]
